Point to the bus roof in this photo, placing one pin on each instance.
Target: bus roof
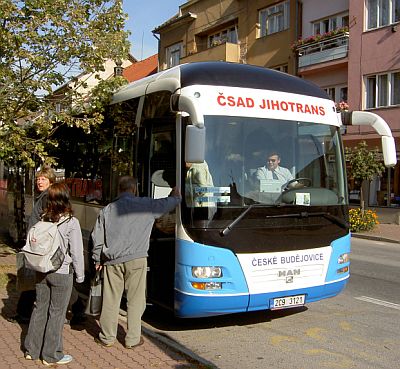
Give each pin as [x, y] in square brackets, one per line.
[219, 74]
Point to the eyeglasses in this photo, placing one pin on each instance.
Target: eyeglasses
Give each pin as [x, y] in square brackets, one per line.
[272, 160]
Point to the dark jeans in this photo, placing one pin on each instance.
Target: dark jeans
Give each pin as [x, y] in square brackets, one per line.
[25, 304]
[27, 300]
[44, 338]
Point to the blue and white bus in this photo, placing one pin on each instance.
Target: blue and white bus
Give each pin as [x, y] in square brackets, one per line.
[238, 242]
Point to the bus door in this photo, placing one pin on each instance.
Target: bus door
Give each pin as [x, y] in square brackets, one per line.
[162, 177]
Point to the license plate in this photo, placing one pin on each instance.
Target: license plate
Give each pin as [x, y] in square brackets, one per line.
[287, 302]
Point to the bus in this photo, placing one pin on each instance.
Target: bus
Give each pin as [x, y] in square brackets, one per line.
[238, 242]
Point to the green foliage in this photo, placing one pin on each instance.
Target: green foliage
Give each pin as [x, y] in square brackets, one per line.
[102, 93]
[364, 165]
[43, 43]
[362, 220]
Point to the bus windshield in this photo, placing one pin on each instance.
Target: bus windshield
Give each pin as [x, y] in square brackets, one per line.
[267, 162]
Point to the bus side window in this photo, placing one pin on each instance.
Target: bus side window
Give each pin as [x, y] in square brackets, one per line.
[162, 174]
[162, 156]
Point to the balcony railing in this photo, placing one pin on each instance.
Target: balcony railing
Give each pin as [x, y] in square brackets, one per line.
[326, 50]
[226, 52]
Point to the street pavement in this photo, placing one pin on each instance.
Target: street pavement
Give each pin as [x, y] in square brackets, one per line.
[156, 352]
[382, 232]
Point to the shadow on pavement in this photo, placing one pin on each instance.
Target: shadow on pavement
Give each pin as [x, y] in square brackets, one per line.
[163, 319]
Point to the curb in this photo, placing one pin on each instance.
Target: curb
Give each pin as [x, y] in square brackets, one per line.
[149, 331]
[176, 346]
[374, 238]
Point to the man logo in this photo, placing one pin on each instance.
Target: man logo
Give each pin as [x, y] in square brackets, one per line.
[288, 274]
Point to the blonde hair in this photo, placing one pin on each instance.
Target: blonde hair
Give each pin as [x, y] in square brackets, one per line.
[48, 172]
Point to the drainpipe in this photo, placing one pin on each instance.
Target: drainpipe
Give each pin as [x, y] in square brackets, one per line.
[158, 52]
[297, 34]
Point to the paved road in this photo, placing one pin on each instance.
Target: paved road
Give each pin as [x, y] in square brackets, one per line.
[357, 329]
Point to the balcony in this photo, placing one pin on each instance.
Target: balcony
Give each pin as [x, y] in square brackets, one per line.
[224, 52]
[325, 50]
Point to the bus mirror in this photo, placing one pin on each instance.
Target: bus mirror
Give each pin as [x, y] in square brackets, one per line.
[389, 151]
[158, 180]
[364, 118]
[195, 144]
[187, 104]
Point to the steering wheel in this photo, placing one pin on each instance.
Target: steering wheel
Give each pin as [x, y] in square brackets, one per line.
[306, 182]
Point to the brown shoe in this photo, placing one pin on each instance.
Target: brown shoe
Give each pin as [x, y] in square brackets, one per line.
[141, 342]
[100, 342]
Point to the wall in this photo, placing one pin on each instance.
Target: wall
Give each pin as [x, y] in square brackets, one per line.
[371, 52]
[316, 9]
[209, 16]
[271, 51]
[327, 79]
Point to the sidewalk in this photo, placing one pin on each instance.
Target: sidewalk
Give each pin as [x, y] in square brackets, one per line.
[156, 352]
[382, 232]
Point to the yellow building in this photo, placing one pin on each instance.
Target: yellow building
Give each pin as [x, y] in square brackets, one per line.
[257, 32]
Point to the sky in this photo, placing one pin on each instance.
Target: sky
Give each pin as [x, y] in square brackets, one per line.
[144, 16]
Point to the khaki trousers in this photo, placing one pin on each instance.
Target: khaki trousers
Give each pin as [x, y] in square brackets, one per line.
[131, 278]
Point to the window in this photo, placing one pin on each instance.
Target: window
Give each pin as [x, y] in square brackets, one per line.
[274, 18]
[173, 54]
[330, 24]
[343, 94]
[226, 35]
[381, 13]
[331, 92]
[395, 90]
[337, 93]
[383, 90]
[282, 68]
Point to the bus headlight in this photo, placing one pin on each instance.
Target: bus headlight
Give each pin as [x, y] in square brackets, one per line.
[344, 258]
[206, 272]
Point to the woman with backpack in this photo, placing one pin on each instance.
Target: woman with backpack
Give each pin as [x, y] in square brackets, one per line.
[44, 178]
[53, 289]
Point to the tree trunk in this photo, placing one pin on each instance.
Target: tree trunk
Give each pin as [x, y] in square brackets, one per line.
[19, 207]
[362, 202]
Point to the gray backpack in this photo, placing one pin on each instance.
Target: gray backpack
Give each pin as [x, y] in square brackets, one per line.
[42, 250]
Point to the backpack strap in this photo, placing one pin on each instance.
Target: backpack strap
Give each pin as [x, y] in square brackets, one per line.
[63, 219]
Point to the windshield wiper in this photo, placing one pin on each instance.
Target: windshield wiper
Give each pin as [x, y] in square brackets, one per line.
[305, 214]
[228, 228]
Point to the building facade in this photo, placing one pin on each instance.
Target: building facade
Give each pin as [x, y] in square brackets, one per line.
[349, 48]
[322, 47]
[374, 83]
[257, 32]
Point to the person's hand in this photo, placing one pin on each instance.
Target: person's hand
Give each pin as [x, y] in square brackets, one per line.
[175, 192]
[99, 267]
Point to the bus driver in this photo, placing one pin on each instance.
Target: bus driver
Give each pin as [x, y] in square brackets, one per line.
[272, 171]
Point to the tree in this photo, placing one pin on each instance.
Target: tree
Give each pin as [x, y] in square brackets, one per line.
[364, 165]
[43, 43]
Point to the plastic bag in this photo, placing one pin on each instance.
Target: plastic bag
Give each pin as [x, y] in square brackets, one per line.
[95, 300]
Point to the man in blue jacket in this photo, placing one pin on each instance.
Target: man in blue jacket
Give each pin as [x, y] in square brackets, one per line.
[121, 239]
